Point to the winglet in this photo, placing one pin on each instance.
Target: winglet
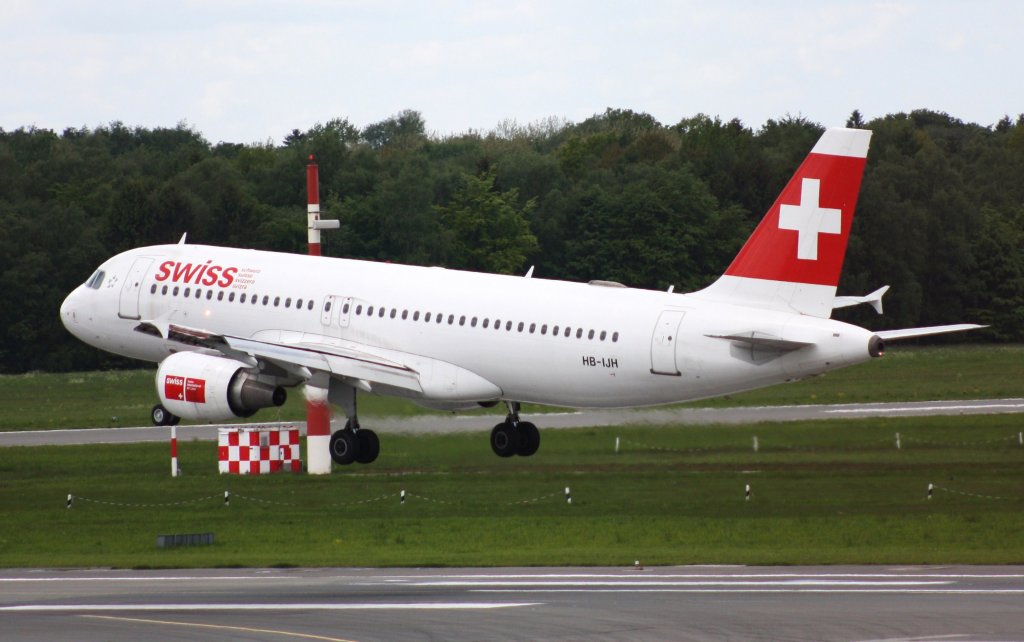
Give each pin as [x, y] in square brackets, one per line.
[181, 241]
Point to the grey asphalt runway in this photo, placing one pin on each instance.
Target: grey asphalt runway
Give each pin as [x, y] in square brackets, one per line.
[917, 604]
[579, 419]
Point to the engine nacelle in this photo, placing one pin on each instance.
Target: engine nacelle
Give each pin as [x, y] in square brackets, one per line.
[201, 387]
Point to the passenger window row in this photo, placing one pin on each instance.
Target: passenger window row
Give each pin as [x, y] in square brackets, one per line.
[231, 297]
[382, 312]
[485, 323]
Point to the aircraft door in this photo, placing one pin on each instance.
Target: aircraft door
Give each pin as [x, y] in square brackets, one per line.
[663, 343]
[345, 313]
[329, 311]
[128, 307]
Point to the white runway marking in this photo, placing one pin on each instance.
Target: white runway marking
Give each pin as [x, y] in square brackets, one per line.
[634, 575]
[383, 606]
[680, 583]
[743, 589]
[891, 411]
[179, 578]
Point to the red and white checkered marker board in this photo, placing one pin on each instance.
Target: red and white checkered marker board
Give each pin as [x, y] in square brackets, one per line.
[244, 451]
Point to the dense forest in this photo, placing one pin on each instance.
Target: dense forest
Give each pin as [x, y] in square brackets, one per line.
[618, 196]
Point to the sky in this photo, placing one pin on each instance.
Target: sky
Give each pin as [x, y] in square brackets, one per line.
[251, 71]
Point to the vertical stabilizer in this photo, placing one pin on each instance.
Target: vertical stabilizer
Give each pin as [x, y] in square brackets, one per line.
[793, 259]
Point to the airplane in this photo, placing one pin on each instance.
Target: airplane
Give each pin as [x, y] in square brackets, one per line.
[232, 329]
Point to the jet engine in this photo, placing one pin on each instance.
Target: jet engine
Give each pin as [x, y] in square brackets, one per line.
[202, 387]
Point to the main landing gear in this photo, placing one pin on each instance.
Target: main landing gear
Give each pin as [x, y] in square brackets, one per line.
[354, 444]
[514, 437]
[351, 443]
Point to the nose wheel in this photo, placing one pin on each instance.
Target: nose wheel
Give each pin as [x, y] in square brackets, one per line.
[162, 416]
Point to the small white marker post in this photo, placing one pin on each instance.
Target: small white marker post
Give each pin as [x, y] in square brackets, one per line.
[568, 496]
[1020, 438]
[616, 445]
[69, 499]
[401, 497]
[756, 446]
[746, 496]
[897, 441]
[174, 451]
[931, 487]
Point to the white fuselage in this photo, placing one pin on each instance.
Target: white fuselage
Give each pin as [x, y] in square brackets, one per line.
[537, 340]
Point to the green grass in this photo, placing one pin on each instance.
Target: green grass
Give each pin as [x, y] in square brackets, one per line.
[102, 399]
[833, 492]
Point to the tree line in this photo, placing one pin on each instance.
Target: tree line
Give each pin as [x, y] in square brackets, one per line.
[618, 196]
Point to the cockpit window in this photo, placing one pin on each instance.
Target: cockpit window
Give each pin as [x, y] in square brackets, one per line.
[95, 280]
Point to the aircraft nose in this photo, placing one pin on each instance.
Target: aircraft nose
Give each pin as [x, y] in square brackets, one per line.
[68, 311]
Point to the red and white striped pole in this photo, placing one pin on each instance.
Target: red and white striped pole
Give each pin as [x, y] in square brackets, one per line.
[313, 208]
[318, 413]
[174, 451]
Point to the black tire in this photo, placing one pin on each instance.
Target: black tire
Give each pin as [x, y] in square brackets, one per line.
[529, 439]
[161, 416]
[368, 446]
[344, 447]
[504, 440]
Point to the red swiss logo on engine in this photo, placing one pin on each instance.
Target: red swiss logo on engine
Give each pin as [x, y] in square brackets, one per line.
[185, 389]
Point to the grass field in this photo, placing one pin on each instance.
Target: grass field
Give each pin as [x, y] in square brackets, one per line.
[124, 398]
[822, 493]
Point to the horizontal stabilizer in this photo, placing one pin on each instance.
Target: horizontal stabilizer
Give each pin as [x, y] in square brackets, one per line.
[874, 300]
[762, 341]
[910, 333]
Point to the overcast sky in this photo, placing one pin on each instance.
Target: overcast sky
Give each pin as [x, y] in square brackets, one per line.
[252, 70]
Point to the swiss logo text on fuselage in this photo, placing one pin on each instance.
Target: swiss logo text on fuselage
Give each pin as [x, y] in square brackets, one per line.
[206, 273]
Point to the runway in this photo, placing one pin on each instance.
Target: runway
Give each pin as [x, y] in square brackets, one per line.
[672, 603]
[579, 419]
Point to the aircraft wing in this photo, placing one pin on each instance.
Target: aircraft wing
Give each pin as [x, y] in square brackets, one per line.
[298, 359]
[909, 333]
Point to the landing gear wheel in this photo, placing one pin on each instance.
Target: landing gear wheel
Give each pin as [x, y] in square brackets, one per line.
[368, 446]
[162, 417]
[344, 447]
[504, 440]
[529, 439]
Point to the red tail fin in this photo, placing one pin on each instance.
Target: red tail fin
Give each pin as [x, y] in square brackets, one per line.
[794, 257]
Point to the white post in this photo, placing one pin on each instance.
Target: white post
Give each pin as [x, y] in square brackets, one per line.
[897, 441]
[756, 446]
[401, 497]
[616, 445]
[747, 493]
[1020, 438]
[174, 451]
[931, 487]
[568, 496]
[318, 431]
